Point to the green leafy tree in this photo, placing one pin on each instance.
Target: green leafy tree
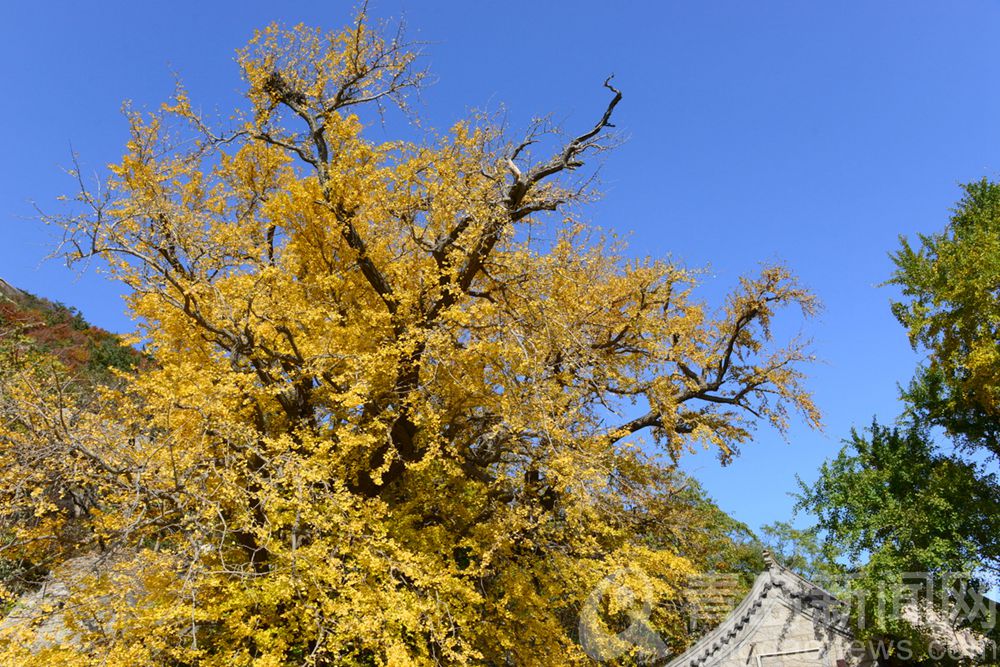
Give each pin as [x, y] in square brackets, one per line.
[950, 282]
[907, 515]
[893, 498]
[804, 551]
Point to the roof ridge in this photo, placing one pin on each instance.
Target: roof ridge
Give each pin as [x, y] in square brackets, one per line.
[737, 619]
[774, 576]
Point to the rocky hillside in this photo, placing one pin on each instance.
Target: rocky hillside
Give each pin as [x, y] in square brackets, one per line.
[60, 330]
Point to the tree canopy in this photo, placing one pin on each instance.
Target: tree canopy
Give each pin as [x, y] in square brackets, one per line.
[952, 311]
[899, 500]
[894, 501]
[395, 391]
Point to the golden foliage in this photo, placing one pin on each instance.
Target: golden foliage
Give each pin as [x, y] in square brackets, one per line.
[383, 420]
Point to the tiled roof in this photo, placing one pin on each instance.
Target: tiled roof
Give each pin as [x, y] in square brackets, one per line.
[775, 580]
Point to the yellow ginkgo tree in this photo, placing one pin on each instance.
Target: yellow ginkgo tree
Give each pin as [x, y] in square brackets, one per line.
[401, 404]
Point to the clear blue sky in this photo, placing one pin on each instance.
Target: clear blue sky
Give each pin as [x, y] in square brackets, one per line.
[808, 132]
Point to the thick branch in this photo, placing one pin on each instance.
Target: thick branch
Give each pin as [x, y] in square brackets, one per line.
[514, 202]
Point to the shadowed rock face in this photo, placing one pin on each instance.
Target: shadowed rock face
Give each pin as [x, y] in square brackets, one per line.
[937, 625]
[9, 290]
[54, 616]
[37, 621]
